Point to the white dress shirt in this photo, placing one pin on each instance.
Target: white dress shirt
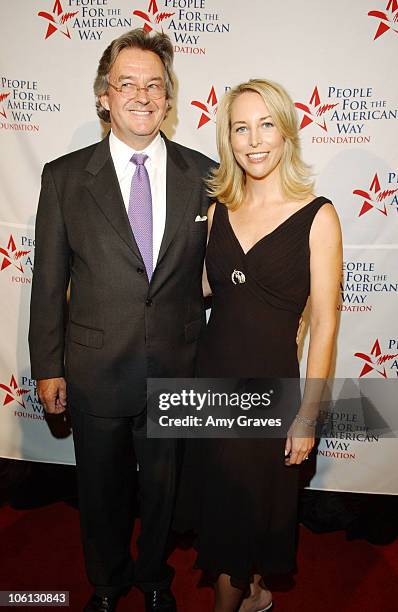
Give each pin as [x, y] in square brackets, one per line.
[156, 166]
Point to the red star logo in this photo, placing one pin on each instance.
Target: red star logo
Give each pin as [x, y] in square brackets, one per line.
[11, 256]
[152, 24]
[388, 19]
[13, 393]
[57, 20]
[3, 96]
[375, 201]
[209, 109]
[313, 110]
[374, 361]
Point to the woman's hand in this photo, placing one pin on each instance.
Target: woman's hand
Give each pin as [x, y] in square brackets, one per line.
[297, 448]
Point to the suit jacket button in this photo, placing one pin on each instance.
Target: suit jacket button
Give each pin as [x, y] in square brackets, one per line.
[140, 270]
[148, 302]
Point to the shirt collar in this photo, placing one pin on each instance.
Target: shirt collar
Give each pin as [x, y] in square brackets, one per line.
[122, 153]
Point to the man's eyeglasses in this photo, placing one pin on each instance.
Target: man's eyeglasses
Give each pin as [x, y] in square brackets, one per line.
[130, 91]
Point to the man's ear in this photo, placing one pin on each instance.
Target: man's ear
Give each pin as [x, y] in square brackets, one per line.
[104, 101]
[169, 107]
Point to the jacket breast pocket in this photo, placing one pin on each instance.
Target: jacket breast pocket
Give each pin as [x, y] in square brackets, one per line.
[87, 336]
[192, 330]
[198, 227]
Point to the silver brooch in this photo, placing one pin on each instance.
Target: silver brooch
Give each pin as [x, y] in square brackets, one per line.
[238, 277]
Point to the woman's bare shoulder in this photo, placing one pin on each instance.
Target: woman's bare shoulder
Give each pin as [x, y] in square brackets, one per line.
[326, 225]
[210, 213]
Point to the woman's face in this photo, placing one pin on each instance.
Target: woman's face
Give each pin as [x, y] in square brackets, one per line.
[256, 143]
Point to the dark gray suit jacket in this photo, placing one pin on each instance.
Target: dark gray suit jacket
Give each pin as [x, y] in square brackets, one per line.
[119, 329]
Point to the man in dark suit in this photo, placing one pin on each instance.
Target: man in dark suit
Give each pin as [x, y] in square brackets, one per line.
[123, 224]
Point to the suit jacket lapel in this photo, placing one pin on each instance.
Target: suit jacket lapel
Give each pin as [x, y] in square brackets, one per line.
[178, 191]
[104, 187]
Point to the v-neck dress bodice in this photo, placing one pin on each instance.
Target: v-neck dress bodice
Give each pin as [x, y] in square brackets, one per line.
[258, 297]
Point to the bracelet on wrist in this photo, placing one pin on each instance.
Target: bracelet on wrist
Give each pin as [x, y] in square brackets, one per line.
[305, 420]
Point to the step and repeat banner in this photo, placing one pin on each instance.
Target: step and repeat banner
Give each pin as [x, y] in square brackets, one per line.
[336, 59]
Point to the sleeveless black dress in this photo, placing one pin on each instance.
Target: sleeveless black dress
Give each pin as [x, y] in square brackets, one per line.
[237, 494]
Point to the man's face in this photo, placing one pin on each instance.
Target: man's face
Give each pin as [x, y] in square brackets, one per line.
[136, 121]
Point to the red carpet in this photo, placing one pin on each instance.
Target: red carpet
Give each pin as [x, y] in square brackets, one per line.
[40, 549]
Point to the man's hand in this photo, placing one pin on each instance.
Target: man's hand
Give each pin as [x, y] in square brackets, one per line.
[52, 394]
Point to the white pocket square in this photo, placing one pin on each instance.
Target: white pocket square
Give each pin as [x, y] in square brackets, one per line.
[199, 218]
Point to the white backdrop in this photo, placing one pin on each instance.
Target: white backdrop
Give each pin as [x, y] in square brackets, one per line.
[337, 60]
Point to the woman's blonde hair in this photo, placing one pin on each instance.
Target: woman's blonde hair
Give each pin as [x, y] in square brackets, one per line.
[227, 183]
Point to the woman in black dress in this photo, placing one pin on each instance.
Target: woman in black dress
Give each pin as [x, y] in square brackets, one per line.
[271, 244]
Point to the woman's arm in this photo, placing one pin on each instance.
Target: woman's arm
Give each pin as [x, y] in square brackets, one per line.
[205, 283]
[325, 272]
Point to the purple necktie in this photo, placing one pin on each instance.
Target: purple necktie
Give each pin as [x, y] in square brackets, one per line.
[140, 211]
